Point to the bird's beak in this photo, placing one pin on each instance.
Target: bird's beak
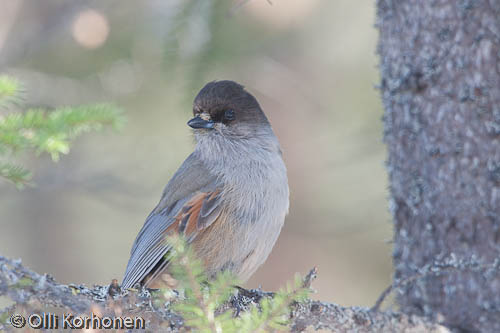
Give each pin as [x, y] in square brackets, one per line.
[197, 122]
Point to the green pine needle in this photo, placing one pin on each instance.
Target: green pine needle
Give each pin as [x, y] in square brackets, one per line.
[204, 296]
[51, 131]
[45, 131]
[9, 90]
[16, 174]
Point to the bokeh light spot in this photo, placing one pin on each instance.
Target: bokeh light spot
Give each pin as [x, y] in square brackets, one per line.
[90, 29]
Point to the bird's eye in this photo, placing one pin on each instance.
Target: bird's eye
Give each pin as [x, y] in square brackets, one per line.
[229, 114]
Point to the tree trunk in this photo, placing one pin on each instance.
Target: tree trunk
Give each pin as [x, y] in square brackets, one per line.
[440, 69]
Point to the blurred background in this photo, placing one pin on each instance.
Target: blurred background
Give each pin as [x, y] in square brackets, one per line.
[310, 63]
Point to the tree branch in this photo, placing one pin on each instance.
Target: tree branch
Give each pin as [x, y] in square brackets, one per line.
[31, 292]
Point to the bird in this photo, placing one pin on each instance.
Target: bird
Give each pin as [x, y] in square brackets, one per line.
[228, 199]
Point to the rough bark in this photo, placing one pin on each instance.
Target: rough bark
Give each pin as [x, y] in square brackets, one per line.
[440, 84]
[35, 293]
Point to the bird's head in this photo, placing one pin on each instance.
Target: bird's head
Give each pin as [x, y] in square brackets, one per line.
[225, 108]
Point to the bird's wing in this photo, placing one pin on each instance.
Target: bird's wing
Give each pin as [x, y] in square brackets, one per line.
[191, 202]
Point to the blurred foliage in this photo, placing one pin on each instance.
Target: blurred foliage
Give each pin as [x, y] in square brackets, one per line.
[44, 131]
[9, 90]
[203, 297]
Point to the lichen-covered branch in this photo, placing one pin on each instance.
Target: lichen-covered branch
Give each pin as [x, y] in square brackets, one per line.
[35, 293]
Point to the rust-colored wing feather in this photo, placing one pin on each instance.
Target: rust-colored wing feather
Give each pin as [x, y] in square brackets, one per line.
[199, 213]
[186, 215]
[147, 259]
